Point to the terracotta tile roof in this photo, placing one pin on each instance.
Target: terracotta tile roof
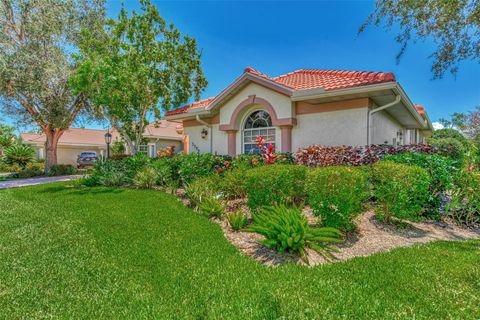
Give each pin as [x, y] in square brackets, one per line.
[304, 79]
[198, 104]
[94, 137]
[420, 109]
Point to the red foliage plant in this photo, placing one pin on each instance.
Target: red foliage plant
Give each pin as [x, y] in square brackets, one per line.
[267, 151]
[323, 156]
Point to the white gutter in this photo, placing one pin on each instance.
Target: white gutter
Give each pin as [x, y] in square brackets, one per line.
[388, 105]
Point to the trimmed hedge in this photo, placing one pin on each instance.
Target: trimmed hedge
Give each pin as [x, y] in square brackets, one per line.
[401, 191]
[275, 185]
[337, 194]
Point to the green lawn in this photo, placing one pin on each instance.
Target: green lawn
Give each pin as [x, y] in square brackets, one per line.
[104, 252]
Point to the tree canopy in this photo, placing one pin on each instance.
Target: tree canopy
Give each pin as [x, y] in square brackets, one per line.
[454, 26]
[37, 38]
[137, 67]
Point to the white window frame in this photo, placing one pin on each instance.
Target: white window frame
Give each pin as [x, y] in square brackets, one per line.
[253, 132]
[152, 150]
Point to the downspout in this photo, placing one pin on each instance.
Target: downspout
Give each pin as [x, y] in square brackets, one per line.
[370, 112]
[197, 117]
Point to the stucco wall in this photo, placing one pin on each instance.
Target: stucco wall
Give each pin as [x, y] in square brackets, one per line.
[280, 102]
[343, 127]
[384, 128]
[68, 155]
[195, 137]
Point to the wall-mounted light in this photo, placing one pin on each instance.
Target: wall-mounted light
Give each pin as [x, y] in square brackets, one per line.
[204, 133]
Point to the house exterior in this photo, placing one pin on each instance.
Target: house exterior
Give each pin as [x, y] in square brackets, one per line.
[76, 140]
[302, 108]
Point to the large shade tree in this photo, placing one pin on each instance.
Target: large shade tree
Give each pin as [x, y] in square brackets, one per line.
[37, 38]
[138, 67]
[453, 25]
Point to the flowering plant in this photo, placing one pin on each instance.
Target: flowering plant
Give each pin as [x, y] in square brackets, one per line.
[267, 151]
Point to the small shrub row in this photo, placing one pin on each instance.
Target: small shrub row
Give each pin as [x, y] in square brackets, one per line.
[322, 156]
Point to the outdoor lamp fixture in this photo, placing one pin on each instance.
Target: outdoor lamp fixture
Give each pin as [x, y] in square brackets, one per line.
[108, 140]
[204, 133]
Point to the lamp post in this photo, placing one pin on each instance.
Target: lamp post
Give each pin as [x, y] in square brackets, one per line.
[108, 140]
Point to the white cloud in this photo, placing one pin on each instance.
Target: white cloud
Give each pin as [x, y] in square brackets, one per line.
[437, 125]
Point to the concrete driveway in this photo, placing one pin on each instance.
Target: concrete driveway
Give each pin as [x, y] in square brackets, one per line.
[34, 181]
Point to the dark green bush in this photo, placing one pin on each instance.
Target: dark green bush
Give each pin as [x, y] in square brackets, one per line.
[237, 220]
[451, 133]
[134, 164]
[337, 194]
[194, 165]
[109, 173]
[62, 170]
[449, 147]
[465, 203]
[275, 185]
[287, 230]
[401, 191]
[442, 171]
[165, 174]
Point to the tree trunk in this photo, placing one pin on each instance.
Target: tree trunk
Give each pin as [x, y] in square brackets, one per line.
[51, 147]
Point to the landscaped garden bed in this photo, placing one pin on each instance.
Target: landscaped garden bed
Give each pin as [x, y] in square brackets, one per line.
[321, 204]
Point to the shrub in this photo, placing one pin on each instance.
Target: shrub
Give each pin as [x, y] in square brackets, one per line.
[211, 207]
[203, 188]
[275, 185]
[322, 156]
[18, 154]
[441, 170]
[449, 147]
[237, 220]
[465, 203]
[401, 190]
[5, 167]
[233, 184]
[451, 133]
[287, 230]
[165, 174]
[135, 164]
[146, 178]
[337, 194]
[109, 173]
[62, 170]
[33, 169]
[194, 165]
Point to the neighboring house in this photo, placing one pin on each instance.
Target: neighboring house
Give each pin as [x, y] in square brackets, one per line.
[302, 108]
[76, 140]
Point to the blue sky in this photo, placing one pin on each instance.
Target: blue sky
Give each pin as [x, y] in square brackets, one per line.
[279, 37]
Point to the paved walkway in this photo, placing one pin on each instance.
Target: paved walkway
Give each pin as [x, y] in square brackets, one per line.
[34, 181]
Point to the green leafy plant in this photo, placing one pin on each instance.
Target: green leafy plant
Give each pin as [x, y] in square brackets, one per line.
[135, 164]
[275, 185]
[18, 154]
[62, 170]
[146, 178]
[211, 207]
[465, 203]
[237, 220]
[203, 188]
[401, 191]
[233, 184]
[109, 173]
[165, 174]
[33, 169]
[337, 194]
[287, 230]
[442, 171]
[449, 147]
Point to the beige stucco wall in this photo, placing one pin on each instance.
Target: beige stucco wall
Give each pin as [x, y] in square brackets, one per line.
[384, 128]
[342, 127]
[195, 137]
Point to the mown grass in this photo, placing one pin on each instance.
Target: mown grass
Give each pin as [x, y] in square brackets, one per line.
[71, 252]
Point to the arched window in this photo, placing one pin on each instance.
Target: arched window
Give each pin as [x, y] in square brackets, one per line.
[258, 123]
